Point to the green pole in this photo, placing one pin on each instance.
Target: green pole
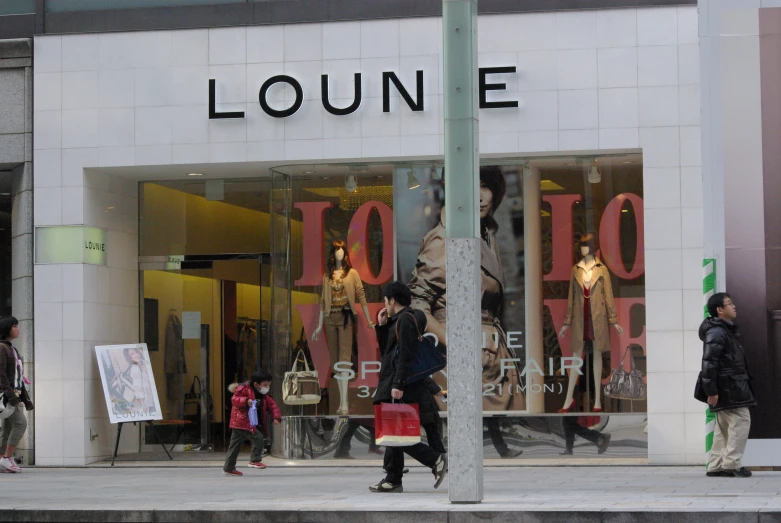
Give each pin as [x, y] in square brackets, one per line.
[708, 289]
[462, 159]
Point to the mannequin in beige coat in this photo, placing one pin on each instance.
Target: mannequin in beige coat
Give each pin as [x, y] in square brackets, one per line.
[590, 280]
[342, 290]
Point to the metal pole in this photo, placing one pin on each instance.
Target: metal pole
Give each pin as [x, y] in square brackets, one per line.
[464, 337]
[532, 233]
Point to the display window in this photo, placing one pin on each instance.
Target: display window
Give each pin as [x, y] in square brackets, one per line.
[286, 273]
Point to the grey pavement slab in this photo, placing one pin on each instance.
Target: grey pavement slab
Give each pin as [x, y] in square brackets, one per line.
[198, 492]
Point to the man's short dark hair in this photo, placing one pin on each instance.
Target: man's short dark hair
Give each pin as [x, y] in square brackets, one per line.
[6, 324]
[399, 292]
[716, 301]
[259, 376]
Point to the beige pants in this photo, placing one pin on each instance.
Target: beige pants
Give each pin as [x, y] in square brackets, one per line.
[729, 439]
[339, 337]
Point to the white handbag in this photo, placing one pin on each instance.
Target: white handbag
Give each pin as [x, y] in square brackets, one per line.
[301, 387]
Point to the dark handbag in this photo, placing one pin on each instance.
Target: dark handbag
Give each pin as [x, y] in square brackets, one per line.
[429, 357]
[699, 390]
[301, 351]
[626, 385]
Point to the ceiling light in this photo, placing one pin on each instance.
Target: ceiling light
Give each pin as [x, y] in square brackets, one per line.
[627, 163]
[110, 208]
[412, 182]
[195, 174]
[594, 176]
[350, 184]
[308, 172]
[624, 210]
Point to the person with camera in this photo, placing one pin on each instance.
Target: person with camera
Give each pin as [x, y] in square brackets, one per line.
[13, 386]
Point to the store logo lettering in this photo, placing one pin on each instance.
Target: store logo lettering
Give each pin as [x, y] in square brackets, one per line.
[416, 104]
[92, 246]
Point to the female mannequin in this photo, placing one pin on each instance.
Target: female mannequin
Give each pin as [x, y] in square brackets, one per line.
[342, 288]
[590, 309]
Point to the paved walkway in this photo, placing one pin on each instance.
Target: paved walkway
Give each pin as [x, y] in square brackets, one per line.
[322, 495]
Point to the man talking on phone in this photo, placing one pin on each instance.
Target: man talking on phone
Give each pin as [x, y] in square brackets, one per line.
[398, 318]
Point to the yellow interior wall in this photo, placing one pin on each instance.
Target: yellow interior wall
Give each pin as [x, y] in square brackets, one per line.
[174, 222]
[186, 293]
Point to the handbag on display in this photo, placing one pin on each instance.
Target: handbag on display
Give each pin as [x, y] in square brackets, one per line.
[625, 385]
[301, 387]
[396, 424]
[428, 356]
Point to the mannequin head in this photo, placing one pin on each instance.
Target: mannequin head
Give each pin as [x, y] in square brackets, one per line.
[586, 245]
[339, 253]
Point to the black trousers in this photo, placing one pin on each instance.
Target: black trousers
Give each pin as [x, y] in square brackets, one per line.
[394, 460]
[434, 436]
[572, 428]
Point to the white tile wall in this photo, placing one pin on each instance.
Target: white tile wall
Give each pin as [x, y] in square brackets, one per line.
[586, 80]
[617, 67]
[616, 27]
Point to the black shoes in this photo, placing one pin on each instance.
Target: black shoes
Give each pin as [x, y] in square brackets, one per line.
[742, 472]
[567, 452]
[385, 486]
[603, 443]
[439, 470]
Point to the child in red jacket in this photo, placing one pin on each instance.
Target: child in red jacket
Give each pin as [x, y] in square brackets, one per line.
[256, 389]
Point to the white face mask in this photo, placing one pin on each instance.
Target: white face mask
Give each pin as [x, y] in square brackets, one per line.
[263, 390]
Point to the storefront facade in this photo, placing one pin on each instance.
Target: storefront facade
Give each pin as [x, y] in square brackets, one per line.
[218, 166]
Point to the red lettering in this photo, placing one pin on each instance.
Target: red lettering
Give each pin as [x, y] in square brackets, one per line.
[314, 235]
[610, 236]
[358, 242]
[563, 241]
[368, 347]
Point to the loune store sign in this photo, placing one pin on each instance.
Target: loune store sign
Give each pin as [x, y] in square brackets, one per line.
[71, 245]
[389, 79]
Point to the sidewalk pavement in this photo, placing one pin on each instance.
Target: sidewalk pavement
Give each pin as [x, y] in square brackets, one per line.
[299, 494]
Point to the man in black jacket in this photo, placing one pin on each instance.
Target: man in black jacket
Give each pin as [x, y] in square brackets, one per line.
[726, 382]
[395, 318]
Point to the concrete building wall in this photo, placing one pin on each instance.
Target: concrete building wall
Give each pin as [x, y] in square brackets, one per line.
[16, 145]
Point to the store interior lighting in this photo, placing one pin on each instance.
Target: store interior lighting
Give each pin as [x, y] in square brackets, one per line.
[351, 183]
[412, 182]
[594, 176]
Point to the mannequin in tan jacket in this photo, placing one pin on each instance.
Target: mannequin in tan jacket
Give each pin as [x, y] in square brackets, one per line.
[590, 311]
[342, 288]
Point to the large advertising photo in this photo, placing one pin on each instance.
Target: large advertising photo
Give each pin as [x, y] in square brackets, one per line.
[586, 378]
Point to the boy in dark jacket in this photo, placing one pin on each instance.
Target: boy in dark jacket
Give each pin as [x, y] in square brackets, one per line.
[394, 371]
[255, 390]
[726, 382]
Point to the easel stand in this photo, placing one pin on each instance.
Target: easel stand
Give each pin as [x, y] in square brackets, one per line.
[151, 428]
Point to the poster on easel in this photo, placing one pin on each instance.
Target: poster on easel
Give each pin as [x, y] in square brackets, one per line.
[128, 383]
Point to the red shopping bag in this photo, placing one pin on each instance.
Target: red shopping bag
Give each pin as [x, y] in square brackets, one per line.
[396, 424]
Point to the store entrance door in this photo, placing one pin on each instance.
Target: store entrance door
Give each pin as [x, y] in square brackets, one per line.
[206, 325]
[205, 278]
